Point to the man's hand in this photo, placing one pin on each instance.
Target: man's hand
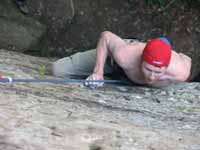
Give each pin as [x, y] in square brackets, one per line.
[92, 84]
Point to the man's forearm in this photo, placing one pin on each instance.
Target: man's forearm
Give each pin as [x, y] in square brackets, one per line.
[102, 53]
[100, 61]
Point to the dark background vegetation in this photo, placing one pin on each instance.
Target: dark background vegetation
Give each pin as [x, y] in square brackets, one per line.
[128, 19]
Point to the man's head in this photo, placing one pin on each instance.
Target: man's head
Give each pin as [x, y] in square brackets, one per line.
[156, 57]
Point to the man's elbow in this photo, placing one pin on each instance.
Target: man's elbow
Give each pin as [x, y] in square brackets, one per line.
[105, 34]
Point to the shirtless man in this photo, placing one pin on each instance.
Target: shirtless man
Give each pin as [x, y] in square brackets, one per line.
[152, 63]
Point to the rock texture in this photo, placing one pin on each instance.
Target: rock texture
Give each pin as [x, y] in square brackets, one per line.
[54, 13]
[18, 32]
[69, 116]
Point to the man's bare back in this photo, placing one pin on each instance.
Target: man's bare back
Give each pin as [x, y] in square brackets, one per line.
[129, 57]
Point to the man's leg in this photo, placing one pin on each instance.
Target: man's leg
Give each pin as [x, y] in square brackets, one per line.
[78, 65]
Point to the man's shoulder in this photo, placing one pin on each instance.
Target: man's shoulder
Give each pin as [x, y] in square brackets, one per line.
[136, 47]
[180, 66]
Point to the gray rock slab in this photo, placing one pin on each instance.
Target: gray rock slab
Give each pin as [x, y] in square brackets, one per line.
[69, 116]
[18, 32]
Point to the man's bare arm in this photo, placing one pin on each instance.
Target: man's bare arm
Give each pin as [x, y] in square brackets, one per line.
[181, 67]
[102, 53]
[107, 45]
[186, 62]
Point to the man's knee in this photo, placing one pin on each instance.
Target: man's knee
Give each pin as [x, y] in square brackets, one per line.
[62, 67]
[56, 69]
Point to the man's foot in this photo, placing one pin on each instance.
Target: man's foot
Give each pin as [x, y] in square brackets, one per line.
[22, 6]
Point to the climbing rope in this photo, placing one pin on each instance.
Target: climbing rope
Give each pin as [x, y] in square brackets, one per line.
[7, 79]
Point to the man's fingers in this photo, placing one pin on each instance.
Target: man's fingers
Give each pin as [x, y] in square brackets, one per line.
[91, 83]
[91, 78]
[86, 82]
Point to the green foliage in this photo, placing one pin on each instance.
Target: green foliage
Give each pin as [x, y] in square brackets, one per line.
[192, 3]
[166, 3]
[160, 3]
[42, 70]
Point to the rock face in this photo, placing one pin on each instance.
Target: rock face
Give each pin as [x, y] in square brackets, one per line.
[54, 13]
[69, 116]
[17, 31]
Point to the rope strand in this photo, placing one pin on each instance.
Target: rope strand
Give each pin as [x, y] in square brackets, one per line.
[6, 79]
